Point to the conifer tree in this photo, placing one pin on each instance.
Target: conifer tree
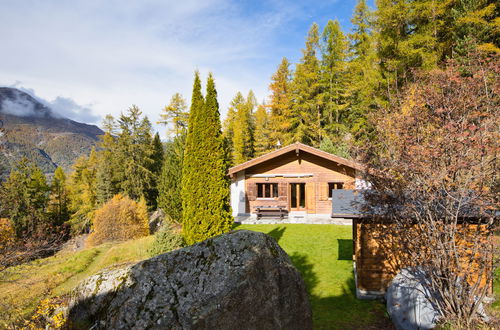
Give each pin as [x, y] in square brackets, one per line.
[280, 105]
[175, 115]
[306, 89]
[243, 127]
[59, 203]
[157, 155]
[365, 79]
[334, 81]
[170, 181]
[108, 168]
[205, 187]
[262, 131]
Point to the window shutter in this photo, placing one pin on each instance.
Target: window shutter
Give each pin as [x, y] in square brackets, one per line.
[251, 191]
[282, 191]
[323, 191]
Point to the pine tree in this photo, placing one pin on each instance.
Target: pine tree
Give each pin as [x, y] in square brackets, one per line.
[25, 195]
[135, 152]
[170, 181]
[306, 88]
[157, 156]
[205, 187]
[108, 169]
[280, 105]
[59, 203]
[262, 131]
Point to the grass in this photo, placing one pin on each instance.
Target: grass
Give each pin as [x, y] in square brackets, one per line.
[24, 286]
[323, 254]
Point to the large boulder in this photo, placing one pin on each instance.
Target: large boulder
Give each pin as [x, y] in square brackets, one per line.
[408, 302]
[241, 280]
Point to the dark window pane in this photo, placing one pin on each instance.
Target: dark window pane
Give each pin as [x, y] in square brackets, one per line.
[275, 190]
[293, 195]
[334, 185]
[267, 193]
[302, 195]
[259, 190]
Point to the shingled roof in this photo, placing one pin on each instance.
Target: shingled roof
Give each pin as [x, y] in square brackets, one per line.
[297, 147]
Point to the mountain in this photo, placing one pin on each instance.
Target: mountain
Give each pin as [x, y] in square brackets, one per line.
[34, 131]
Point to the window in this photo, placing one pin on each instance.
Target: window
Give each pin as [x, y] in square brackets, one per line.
[267, 190]
[334, 185]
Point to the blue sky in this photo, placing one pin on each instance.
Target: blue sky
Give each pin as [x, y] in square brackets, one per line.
[89, 58]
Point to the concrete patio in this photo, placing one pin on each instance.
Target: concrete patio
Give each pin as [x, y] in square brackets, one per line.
[293, 217]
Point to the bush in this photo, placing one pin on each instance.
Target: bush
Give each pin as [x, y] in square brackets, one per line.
[166, 239]
[119, 219]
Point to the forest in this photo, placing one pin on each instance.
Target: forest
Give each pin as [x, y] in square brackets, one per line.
[349, 95]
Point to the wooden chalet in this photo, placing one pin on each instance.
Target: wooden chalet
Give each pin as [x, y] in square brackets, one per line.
[294, 179]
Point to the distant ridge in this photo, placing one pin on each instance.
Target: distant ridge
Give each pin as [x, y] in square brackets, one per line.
[34, 131]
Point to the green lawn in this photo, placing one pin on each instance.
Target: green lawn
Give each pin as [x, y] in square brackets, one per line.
[323, 254]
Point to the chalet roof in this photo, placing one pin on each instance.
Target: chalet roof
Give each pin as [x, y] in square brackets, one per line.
[297, 147]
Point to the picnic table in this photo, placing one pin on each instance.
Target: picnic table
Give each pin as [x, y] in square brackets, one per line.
[272, 211]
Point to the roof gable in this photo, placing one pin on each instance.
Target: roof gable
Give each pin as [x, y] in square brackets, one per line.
[297, 147]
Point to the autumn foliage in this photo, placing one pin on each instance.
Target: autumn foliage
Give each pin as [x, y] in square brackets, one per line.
[435, 170]
[119, 219]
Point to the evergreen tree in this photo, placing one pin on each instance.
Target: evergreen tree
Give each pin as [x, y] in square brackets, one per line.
[59, 203]
[365, 80]
[156, 165]
[334, 79]
[170, 181]
[262, 131]
[306, 89]
[135, 152]
[205, 187]
[280, 105]
[108, 168]
[25, 195]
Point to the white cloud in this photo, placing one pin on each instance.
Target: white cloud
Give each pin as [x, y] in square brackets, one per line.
[108, 55]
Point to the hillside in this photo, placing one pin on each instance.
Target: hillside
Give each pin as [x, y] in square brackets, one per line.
[34, 131]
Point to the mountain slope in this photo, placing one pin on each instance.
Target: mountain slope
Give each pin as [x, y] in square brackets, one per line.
[34, 131]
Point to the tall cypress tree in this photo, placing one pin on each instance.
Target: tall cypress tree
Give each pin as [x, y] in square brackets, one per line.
[205, 187]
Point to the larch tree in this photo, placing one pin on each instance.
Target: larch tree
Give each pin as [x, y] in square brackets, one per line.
[59, 202]
[365, 80]
[205, 186]
[262, 131]
[280, 104]
[243, 139]
[306, 89]
[334, 80]
[175, 114]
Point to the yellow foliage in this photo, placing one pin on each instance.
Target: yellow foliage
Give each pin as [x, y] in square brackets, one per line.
[119, 219]
[6, 233]
[47, 316]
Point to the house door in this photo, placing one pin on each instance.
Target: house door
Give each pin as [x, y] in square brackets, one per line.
[297, 196]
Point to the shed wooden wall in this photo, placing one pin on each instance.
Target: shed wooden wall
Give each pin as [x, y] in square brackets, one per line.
[322, 170]
[375, 266]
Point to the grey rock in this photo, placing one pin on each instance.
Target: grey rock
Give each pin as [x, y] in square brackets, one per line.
[156, 220]
[407, 301]
[240, 280]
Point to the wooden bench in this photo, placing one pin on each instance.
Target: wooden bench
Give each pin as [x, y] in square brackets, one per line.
[272, 211]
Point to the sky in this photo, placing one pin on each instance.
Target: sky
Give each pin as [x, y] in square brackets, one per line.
[90, 58]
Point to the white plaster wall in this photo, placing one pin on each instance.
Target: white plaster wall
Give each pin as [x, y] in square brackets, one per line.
[238, 194]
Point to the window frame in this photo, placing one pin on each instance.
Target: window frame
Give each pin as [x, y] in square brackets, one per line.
[341, 183]
[273, 190]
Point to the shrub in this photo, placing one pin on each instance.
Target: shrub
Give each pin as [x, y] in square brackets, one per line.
[166, 239]
[7, 234]
[119, 219]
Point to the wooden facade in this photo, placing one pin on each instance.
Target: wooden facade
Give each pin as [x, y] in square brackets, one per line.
[297, 177]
